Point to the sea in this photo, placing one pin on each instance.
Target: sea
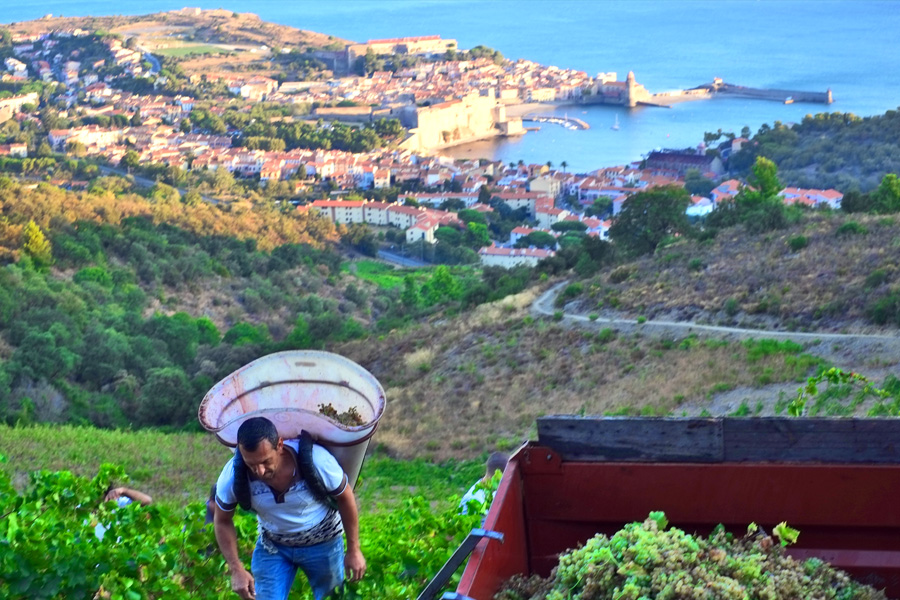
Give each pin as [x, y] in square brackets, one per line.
[849, 46]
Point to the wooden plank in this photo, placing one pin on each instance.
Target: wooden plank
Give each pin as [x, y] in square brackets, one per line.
[632, 439]
[827, 440]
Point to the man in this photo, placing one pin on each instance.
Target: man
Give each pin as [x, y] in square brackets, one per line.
[122, 496]
[298, 527]
[495, 462]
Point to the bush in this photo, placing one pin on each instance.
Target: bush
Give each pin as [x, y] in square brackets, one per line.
[886, 309]
[851, 228]
[876, 278]
[731, 307]
[798, 242]
[620, 274]
[695, 264]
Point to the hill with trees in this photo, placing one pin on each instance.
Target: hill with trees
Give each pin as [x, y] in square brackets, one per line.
[828, 150]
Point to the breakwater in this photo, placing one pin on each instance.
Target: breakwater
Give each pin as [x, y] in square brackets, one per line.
[787, 96]
[566, 121]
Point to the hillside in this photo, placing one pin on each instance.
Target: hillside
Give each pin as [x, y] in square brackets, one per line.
[830, 272]
[828, 150]
[217, 40]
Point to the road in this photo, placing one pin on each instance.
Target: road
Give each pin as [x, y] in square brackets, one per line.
[144, 182]
[875, 356]
[403, 261]
[544, 305]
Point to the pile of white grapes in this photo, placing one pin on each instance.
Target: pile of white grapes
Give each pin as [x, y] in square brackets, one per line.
[648, 561]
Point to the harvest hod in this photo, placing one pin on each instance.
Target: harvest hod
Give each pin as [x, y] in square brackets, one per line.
[836, 480]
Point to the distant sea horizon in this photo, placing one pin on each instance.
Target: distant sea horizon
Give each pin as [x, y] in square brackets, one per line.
[849, 46]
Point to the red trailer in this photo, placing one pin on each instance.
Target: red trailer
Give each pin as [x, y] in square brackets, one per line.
[836, 480]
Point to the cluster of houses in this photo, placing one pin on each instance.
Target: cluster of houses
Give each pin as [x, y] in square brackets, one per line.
[535, 188]
[47, 63]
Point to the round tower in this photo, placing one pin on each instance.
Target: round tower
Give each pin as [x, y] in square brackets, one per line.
[630, 96]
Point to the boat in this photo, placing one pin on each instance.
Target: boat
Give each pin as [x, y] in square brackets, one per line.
[615, 126]
[789, 100]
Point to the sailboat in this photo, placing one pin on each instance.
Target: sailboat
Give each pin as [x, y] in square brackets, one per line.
[615, 126]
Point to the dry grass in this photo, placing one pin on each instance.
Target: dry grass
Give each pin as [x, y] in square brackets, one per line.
[476, 383]
[746, 279]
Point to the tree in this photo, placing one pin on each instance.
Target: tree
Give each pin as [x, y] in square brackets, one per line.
[166, 398]
[130, 160]
[410, 296]
[37, 246]
[538, 239]
[564, 164]
[471, 216]
[599, 207]
[76, 149]
[697, 184]
[477, 235]
[441, 287]
[648, 217]
[484, 194]
[886, 199]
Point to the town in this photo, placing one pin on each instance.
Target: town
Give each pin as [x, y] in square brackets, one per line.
[83, 104]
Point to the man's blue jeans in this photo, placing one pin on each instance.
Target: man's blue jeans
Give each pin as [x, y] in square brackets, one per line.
[274, 574]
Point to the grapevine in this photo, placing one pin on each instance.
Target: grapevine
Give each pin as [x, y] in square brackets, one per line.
[646, 561]
[49, 548]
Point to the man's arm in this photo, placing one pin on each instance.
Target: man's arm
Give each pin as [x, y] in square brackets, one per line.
[354, 562]
[226, 535]
[136, 496]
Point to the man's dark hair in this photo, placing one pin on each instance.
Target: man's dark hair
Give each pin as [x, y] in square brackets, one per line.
[497, 462]
[250, 434]
[253, 431]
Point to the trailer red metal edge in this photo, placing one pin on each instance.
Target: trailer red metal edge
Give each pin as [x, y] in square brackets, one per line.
[836, 480]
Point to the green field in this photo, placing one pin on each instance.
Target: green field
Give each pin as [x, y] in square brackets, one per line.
[51, 479]
[382, 275]
[177, 468]
[185, 50]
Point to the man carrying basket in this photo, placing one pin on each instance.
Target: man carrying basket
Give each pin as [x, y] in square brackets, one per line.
[303, 502]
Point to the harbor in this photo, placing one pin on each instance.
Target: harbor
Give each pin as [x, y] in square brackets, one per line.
[566, 121]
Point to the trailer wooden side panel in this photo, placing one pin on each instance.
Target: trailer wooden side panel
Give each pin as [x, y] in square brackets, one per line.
[493, 562]
[847, 514]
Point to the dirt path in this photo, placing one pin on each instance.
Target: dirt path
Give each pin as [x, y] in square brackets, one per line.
[873, 355]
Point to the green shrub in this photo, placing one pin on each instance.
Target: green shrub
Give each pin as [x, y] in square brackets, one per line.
[97, 275]
[731, 307]
[851, 228]
[558, 315]
[593, 316]
[606, 335]
[641, 320]
[876, 278]
[620, 274]
[695, 264]
[886, 309]
[798, 242]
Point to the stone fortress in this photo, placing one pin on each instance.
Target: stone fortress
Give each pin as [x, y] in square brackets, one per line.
[472, 117]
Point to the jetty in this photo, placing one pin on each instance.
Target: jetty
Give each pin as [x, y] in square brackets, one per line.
[787, 96]
[567, 121]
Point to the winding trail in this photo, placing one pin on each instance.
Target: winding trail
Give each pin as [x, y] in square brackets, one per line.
[544, 305]
[875, 355]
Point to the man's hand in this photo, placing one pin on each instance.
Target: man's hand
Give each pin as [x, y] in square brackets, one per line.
[354, 565]
[242, 584]
[114, 494]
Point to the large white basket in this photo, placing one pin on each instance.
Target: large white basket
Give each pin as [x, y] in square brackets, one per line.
[288, 388]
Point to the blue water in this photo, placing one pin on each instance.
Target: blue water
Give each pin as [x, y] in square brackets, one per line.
[850, 46]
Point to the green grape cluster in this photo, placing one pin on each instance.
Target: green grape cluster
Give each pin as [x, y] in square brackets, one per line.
[645, 561]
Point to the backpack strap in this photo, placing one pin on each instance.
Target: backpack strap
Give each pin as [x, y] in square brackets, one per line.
[310, 474]
[241, 485]
[305, 465]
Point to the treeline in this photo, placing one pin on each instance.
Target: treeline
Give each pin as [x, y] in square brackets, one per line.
[828, 150]
[272, 129]
[122, 311]
[371, 62]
